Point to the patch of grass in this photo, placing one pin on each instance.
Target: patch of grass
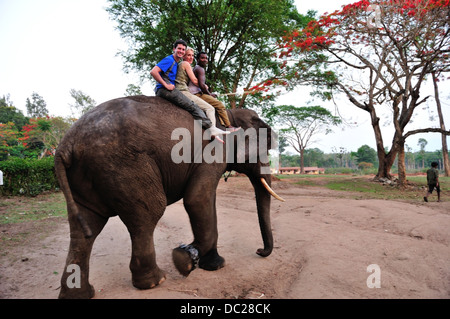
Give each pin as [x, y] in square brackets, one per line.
[355, 185]
[18, 209]
[26, 219]
[363, 187]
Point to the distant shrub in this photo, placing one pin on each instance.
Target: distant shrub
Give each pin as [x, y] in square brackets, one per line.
[365, 165]
[29, 177]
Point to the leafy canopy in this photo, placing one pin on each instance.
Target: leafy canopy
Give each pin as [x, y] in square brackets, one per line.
[240, 36]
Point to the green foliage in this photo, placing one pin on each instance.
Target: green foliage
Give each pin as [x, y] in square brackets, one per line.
[9, 113]
[365, 154]
[240, 37]
[341, 161]
[28, 177]
[133, 89]
[36, 107]
[83, 103]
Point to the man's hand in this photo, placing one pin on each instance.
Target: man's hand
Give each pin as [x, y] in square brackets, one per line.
[169, 87]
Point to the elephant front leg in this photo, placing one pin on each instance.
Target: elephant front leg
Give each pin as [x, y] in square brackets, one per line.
[202, 252]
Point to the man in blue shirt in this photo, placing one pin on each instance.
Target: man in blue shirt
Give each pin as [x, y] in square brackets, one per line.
[165, 73]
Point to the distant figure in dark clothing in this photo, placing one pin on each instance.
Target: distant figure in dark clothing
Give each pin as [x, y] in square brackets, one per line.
[433, 181]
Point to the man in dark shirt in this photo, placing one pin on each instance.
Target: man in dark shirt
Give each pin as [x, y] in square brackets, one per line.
[433, 181]
[202, 91]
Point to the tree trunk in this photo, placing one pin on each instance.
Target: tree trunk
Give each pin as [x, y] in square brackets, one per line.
[385, 160]
[401, 165]
[441, 121]
[302, 161]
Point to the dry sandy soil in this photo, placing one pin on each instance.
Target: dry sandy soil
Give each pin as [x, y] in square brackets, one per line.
[324, 242]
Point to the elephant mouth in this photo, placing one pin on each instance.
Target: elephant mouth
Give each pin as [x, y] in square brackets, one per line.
[270, 190]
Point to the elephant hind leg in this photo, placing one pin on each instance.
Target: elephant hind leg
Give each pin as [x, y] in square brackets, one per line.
[75, 279]
[141, 224]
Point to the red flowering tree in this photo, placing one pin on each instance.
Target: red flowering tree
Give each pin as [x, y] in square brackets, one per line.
[8, 139]
[46, 131]
[377, 52]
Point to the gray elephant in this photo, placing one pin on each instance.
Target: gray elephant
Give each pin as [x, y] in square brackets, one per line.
[118, 159]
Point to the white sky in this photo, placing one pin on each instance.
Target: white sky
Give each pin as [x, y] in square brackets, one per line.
[52, 46]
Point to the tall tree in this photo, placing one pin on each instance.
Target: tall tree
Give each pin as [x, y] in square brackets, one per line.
[445, 157]
[36, 107]
[239, 36]
[300, 124]
[82, 103]
[422, 143]
[379, 60]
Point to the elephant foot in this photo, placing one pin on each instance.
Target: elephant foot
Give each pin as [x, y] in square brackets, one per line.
[185, 259]
[76, 293]
[211, 261]
[150, 280]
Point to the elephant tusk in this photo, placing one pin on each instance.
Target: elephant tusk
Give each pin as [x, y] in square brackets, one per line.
[270, 190]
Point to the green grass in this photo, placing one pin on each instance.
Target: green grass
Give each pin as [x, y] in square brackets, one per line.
[17, 209]
[363, 186]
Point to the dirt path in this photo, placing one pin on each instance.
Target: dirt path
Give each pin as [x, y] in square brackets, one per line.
[324, 243]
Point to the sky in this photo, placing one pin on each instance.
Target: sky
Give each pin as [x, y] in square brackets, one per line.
[52, 46]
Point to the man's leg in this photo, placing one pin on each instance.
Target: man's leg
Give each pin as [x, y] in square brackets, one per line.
[182, 101]
[203, 105]
[429, 191]
[223, 116]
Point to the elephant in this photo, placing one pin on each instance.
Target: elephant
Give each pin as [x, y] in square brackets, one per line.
[117, 160]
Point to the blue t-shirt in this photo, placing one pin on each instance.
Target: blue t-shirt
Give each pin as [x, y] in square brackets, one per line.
[164, 65]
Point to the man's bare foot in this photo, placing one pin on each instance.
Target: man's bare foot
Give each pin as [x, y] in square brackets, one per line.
[219, 139]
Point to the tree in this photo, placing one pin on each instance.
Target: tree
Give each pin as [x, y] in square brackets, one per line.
[240, 37]
[300, 124]
[37, 107]
[9, 113]
[83, 103]
[442, 124]
[365, 154]
[422, 143]
[313, 157]
[44, 134]
[133, 90]
[8, 139]
[377, 62]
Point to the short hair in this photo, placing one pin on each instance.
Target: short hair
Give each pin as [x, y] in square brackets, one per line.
[434, 164]
[189, 49]
[200, 53]
[179, 41]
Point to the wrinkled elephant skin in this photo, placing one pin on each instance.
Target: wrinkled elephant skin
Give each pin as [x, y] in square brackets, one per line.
[116, 161]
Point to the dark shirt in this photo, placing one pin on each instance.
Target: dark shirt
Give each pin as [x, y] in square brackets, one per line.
[432, 176]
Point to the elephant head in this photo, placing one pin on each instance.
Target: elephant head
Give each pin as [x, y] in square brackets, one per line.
[251, 158]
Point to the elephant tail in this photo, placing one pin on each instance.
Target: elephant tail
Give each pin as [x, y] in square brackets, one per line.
[72, 207]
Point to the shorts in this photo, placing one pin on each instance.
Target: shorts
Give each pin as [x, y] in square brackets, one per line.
[431, 187]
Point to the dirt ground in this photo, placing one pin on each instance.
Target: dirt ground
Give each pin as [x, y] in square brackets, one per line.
[324, 243]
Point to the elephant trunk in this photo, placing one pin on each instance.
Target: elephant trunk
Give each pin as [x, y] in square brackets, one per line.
[263, 206]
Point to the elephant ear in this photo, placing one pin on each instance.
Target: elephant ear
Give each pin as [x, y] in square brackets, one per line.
[257, 123]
